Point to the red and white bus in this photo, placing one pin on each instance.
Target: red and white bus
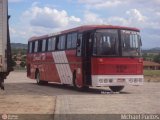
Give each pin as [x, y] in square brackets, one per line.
[93, 55]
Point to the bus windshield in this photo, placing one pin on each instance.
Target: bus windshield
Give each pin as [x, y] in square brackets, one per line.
[131, 43]
[106, 42]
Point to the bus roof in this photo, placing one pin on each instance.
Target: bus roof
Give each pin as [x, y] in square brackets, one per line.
[84, 28]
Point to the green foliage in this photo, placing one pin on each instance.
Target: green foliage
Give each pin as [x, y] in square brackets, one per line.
[16, 51]
[13, 63]
[148, 56]
[24, 58]
[23, 64]
[151, 57]
[157, 58]
[152, 72]
[19, 54]
[14, 58]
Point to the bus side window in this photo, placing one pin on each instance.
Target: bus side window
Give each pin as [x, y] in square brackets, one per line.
[33, 45]
[53, 43]
[58, 43]
[30, 47]
[74, 40]
[44, 45]
[36, 47]
[39, 46]
[69, 41]
[49, 44]
[61, 42]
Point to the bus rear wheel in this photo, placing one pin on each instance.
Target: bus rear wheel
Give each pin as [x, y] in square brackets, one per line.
[40, 82]
[116, 88]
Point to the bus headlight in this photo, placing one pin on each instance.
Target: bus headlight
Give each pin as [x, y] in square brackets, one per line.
[131, 80]
[100, 80]
[105, 80]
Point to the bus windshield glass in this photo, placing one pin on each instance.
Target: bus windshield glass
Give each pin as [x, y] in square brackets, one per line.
[131, 43]
[105, 42]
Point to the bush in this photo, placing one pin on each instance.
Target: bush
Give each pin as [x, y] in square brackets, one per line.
[23, 64]
[157, 58]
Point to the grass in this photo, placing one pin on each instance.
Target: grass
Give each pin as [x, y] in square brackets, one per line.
[152, 72]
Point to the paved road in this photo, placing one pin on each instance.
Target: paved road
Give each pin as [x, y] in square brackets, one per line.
[24, 96]
[135, 100]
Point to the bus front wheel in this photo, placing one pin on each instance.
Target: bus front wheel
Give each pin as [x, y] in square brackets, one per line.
[116, 88]
[40, 82]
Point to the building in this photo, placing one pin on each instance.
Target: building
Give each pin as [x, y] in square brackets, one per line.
[149, 65]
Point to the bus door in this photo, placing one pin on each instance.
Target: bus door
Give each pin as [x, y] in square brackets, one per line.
[84, 51]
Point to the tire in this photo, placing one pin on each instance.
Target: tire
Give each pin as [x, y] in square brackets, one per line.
[40, 82]
[116, 88]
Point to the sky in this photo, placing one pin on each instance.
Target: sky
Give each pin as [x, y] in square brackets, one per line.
[38, 17]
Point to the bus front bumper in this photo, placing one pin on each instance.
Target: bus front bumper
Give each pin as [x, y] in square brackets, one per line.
[116, 80]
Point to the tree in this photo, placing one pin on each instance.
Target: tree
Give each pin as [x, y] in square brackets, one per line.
[145, 56]
[14, 57]
[13, 63]
[23, 64]
[24, 57]
[148, 57]
[157, 58]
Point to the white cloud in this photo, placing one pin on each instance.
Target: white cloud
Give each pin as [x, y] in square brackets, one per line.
[102, 4]
[12, 30]
[148, 24]
[132, 18]
[38, 21]
[136, 15]
[117, 21]
[158, 13]
[92, 18]
[99, 4]
[49, 18]
[15, 32]
[107, 4]
[145, 3]
[35, 3]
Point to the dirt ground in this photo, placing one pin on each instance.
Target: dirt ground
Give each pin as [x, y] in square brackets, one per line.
[20, 97]
[152, 78]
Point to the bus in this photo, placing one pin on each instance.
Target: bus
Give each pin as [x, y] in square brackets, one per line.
[87, 56]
